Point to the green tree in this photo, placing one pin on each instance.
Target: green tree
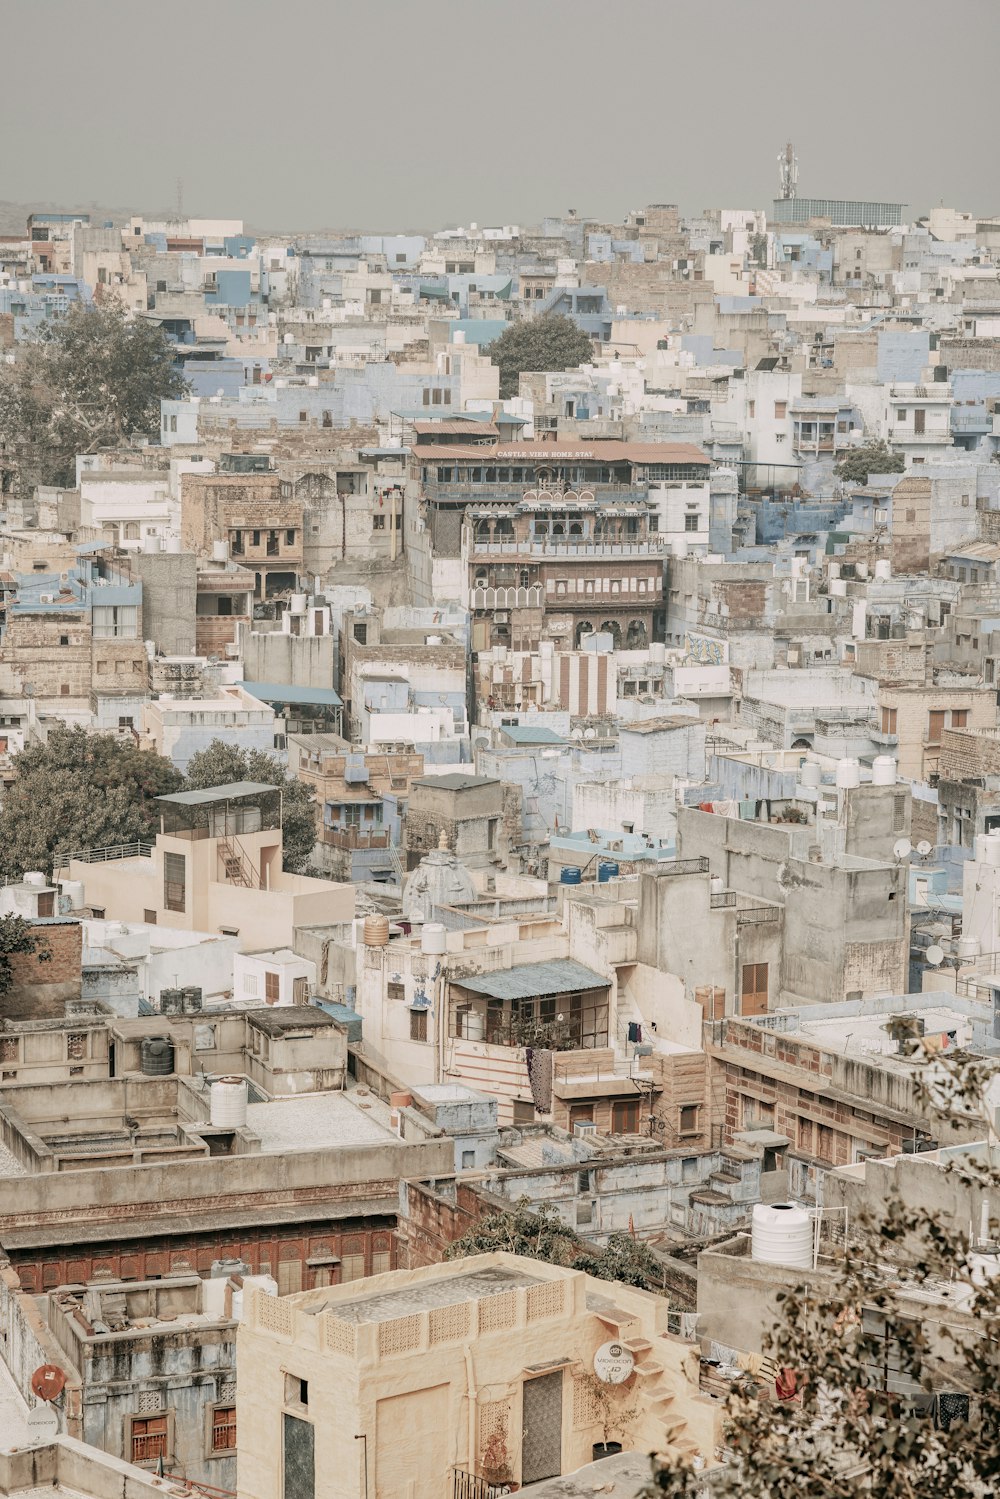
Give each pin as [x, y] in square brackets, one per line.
[17, 936]
[902, 1311]
[536, 1231]
[872, 458]
[222, 763]
[92, 379]
[80, 790]
[550, 342]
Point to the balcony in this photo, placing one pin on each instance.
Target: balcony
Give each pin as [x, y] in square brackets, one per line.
[882, 736]
[565, 547]
[354, 838]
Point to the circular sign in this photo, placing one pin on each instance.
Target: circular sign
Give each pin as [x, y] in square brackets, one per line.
[613, 1363]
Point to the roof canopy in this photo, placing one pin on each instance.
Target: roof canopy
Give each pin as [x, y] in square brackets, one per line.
[230, 792]
[530, 980]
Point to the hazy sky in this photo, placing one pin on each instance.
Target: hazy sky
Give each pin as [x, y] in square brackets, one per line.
[417, 113]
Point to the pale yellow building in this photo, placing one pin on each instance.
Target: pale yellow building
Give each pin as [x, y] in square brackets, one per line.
[215, 866]
[386, 1388]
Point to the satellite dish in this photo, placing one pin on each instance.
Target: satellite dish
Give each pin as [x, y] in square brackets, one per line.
[935, 955]
[902, 848]
[43, 1423]
[923, 848]
[47, 1381]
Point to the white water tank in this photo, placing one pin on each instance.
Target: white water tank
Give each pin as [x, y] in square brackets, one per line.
[883, 771]
[173, 544]
[781, 1234]
[717, 884]
[679, 547]
[73, 892]
[458, 337]
[152, 544]
[883, 570]
[833, 570]
[297, 603]
[810, 773]
[967, 949]
[228, 1109]
[433, 938]
[658, 652]
[991, 848]
[220, 551]
[838, 588]
[848, 775]
[35, 877]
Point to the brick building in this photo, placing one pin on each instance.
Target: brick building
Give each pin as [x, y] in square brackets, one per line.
[259, 518]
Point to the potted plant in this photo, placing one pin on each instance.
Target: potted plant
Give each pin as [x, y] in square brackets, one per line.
[496, 1464]
[616, 1415]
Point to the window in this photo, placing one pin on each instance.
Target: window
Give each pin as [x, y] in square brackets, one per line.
[824, 1142]
[47, 903]
[64, 640]
[289, 538]
[272, 987]
[625, 1117]
[76, 1046]
[889, 720]
[224, 1428]
[418, 1025]
[689, 1119]
[901, 414]
[690, 523]
[378, 522]
[935, 725]
[960, 716]
[753, 989]
[898, 814]
[468, 1160]
[396, 991]
[296, 1390]
[149, 1438]
[780, 410]
[149, 917]
[10, 1049]
[174, 876]
[805, 1134]
[580, 1113]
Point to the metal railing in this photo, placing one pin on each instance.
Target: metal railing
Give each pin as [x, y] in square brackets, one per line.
[755, 915]
[138, 850]
[467, 1486]
[721, 899]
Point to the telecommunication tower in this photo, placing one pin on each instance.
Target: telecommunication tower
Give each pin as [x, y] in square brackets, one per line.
[788, 171]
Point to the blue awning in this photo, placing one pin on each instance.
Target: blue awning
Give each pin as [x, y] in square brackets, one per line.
[285, 692]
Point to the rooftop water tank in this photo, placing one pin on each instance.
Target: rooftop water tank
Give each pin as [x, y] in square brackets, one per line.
[297, 603]
[607, 869]
[156, 1057]
[883, 570]
[833, 570]
[838, 588]
[571, 875]
[173, 544]
[73, 891]
[991, 848]
[220, 551]
[228, 1107]
[658, 653]
[781, 1234]
[679, 547]
[171, 1001]
[35, 877]
[883, 771]
[152, 544]
[717, 884]
[810, 773]
[433, 938]
[191, 999]
[375, 932]
[967, 949]
[848, 774]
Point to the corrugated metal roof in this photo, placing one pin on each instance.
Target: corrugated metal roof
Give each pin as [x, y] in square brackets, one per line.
[231, 791]
[601, 450]
[457, 427]
[528, 979]
[528, 734]
[284, 692]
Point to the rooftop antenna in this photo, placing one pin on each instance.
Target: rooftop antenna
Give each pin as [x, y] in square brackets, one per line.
[788, 171]
[179, 204]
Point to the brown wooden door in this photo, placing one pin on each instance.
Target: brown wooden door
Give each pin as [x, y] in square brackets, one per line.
[919, 419]
[753, 990]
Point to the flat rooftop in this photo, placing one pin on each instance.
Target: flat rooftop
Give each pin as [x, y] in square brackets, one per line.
[320, 1119]
[447, 1290]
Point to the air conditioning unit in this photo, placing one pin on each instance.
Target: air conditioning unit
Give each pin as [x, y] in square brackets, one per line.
[585, 1127]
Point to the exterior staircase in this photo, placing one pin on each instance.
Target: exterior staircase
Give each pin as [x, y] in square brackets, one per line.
[238, 866]
[661, 1395]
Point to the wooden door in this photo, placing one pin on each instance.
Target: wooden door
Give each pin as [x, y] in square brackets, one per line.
[541, 1428]
[753, 989]
[919, 419]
